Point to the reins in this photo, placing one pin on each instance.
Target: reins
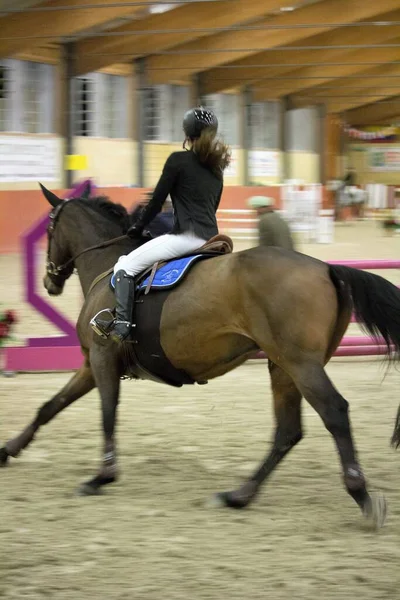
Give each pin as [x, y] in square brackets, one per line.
[95, 247]
[56, 270]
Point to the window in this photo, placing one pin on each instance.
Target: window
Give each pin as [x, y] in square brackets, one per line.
[31, 97]
[26, 97]
[4, 96]
[152, 113]
[180, 103]
[303, 127]
[101, 106]
[164, 107]
[84, 104]
[227, 109]
[115, 106]
[264, 125]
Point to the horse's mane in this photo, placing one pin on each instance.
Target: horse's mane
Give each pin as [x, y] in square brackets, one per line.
[104, 207]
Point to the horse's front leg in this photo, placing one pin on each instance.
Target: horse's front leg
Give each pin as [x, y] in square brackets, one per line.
[79, 385]
[106, 373]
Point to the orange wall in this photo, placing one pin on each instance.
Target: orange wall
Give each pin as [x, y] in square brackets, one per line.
[20, 210]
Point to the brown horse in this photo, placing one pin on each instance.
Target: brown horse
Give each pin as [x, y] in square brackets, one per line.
[293, 307]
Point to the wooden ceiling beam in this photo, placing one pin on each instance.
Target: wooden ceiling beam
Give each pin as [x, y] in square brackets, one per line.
[216, 50]
[16, 28]
[255, 67]
[393, 119]
[354, 88]
[373, 95]
[374, 113]
[357, 62]
[95, 53]
[391, 70]
[50, 55]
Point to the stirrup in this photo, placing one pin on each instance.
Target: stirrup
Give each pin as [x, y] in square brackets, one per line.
[103, 327]
[121, 330]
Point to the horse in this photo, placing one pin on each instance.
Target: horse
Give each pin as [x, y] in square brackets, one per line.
[292, 307]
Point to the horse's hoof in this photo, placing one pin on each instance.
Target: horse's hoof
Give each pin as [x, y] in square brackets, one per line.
[376, 510]
[4, 456]
[88, 489]
[236, 499]
[216, 501]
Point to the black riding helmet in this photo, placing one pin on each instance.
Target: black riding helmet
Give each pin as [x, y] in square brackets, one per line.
[197, 119]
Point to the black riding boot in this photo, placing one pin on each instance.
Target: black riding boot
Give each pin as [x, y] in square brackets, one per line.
[124, 297]
[119, 327]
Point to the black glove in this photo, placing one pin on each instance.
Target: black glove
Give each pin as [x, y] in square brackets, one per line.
[135, 231]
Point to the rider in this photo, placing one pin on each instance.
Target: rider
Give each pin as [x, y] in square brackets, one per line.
[194, 180]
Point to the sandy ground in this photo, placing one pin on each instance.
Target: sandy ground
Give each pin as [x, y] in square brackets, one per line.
[150, 536]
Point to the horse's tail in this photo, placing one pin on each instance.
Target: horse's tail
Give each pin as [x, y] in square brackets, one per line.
[376, 304]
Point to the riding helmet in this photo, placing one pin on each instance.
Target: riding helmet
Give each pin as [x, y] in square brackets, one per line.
[197, 119]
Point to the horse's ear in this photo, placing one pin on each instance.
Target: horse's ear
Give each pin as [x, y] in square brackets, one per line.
[86, 192]
[50, 197]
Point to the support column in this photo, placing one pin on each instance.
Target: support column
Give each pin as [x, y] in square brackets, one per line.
[196, 97]
[284, 145]
[140, 109]
[333, 157]
[333, 146]
[324, 150]
[68, 116]
[247, 99]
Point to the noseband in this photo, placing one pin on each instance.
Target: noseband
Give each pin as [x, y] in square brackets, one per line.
[55, 272]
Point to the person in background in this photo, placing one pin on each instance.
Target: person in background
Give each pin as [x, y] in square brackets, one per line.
[273, 230]
[350, 178]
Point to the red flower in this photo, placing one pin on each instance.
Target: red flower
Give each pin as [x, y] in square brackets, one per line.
[4, 330]
[10, 316]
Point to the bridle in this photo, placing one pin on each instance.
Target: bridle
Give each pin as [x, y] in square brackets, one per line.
[53, 271]
[58, 274]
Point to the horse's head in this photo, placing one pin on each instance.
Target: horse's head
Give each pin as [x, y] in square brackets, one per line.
[59, 263]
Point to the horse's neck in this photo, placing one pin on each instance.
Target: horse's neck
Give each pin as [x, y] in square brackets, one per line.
[91, 264]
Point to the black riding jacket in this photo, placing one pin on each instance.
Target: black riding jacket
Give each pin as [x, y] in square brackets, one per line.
[195, 193]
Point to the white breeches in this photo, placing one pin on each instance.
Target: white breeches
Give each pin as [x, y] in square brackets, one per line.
[164, 247]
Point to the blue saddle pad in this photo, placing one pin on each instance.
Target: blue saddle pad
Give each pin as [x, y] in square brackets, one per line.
[170, 273]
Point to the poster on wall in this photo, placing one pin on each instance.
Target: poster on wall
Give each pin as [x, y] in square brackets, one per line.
[232, 170]
[384, 159]
[29, 159]
[263, 163]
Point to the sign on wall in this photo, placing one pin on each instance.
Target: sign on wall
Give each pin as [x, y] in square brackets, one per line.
[384, 159]
[263, 163]
[25, 158]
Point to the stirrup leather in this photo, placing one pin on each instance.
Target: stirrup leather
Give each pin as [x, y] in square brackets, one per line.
[103, 327]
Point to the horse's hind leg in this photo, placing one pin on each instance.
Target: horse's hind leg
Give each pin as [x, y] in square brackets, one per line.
[333, 409]
[288, 432]
[80, 384]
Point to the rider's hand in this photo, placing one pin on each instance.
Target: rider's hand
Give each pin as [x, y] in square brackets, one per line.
[135, 231]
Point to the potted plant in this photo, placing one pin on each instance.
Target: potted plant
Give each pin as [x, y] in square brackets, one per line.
[8, 319]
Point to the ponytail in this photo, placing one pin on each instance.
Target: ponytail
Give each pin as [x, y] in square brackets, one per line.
[212, 152]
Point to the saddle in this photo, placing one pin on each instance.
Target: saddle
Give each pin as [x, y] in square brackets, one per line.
[220, 243]
[169, 273]
[143, 354]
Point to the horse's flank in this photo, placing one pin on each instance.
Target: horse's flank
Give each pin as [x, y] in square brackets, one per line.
[232, 305]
